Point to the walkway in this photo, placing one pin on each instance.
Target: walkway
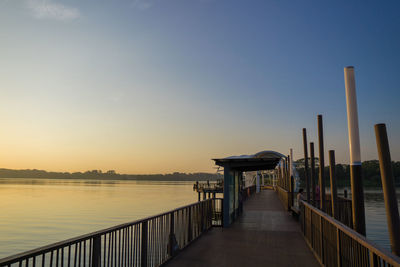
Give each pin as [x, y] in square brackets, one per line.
[265, 235]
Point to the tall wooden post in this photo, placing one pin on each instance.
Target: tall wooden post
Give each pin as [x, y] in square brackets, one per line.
[288, 174]
[389, 190]
[332, 172]
[321, 163]
[357, 190]
[312, 173]
[306, 165]
[291, 191]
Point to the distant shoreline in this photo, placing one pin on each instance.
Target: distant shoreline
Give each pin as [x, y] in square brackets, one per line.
[109, 175]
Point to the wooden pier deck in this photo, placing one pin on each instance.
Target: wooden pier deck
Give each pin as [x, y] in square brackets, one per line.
[265, 235]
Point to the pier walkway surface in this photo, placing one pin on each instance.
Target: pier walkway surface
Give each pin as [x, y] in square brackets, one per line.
[265, 235]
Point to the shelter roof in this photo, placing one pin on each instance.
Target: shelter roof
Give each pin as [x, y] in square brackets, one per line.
[264, 160]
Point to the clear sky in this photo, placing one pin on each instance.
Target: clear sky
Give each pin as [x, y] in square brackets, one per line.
[156, 86]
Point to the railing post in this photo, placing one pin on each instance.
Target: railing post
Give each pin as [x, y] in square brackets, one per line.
[201, 217]
[96, 252]
[322, 239]
[389, 191]
[338, 248]
[144, 244]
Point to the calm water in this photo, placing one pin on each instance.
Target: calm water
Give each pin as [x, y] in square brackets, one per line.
[36, 212]
[375, 215]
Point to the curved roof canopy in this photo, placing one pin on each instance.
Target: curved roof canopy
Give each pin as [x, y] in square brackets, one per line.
[264, 160]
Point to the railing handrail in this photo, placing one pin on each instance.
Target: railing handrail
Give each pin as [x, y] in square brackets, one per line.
[67, 242]
[376, 249]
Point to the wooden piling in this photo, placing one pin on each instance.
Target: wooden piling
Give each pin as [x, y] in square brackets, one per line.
[332, 172]
[389, 190]
[312, 173]
[321, 163]
[306, 176]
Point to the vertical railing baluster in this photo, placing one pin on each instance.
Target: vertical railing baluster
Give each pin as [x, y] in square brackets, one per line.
[115, 248]
[51, 258]
[84, 253]
[62, 257]
[57, 257]
[109, 250]
[112, 262]
[130, 246]
[123, 248]
[119, 248]
[96, 252]
[104, 250]
[190, 225]
[144, 244]
[69, 256]
[80, 254]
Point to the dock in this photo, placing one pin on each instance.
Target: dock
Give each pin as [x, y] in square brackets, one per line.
[265, 235]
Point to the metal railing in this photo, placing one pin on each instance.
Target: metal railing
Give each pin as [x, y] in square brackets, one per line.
[344, 210]
[335, 244]
[285, 197]
[147, 242]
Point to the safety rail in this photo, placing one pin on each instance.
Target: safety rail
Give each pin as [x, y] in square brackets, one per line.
[335, 244]
[147, 242]
[285, 197]
[344, 210]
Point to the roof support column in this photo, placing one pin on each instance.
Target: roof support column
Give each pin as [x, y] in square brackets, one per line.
[228, 184]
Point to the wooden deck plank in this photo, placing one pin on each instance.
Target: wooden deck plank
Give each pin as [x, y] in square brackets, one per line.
[265, 235]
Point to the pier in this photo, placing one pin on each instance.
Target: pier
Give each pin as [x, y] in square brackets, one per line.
[265, 235]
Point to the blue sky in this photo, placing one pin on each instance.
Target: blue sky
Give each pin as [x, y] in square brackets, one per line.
[165, 85]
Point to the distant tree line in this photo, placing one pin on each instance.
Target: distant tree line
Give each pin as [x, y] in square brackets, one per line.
[109, 175]
[370, 171]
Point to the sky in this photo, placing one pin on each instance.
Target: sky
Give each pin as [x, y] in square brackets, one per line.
[158, 86]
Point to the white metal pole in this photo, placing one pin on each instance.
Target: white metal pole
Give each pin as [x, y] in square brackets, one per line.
[355, 155]
[352, 116]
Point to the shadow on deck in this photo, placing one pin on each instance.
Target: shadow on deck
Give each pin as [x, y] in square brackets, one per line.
[265, 235]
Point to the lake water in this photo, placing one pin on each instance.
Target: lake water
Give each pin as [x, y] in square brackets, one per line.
[37, 212]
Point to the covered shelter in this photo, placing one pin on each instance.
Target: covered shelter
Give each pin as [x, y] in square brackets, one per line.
[234, 166]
